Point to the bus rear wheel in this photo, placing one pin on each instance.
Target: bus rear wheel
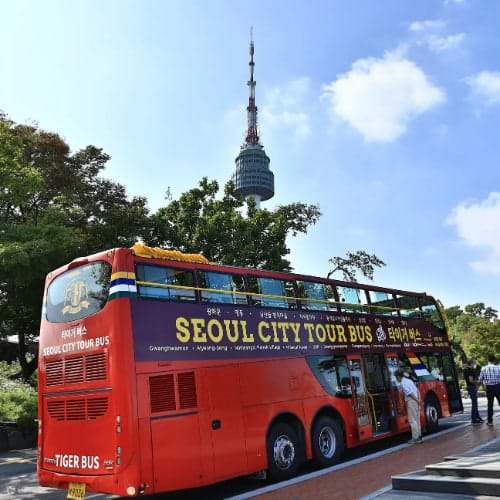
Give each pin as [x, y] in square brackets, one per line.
[431, 415]
[327, 441]
[283, 452]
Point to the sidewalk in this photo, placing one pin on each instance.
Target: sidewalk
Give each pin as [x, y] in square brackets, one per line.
[373, 477]
[473, 474]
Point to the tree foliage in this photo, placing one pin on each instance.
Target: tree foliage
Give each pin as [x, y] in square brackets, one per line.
[220, 229]
[474, 331]
[353, 262]
[54, 206]
[18, 400]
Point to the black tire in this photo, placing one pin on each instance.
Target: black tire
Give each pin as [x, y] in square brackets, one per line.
[283, 452]
[327, 441]
[431, 415]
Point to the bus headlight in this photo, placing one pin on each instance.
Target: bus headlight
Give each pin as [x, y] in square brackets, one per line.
[131, 491]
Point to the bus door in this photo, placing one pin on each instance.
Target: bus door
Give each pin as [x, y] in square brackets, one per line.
[360, 397]
[451, 381]
[225, 424]
[396, 396]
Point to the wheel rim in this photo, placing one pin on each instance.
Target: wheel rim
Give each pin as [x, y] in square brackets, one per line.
[326, 442]
[284, 452]
[431, 414]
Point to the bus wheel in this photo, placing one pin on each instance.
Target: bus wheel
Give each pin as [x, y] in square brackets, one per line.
[327, 441]
[283, 453]
[431, 415]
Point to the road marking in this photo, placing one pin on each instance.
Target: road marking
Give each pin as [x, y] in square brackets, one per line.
[17, 460]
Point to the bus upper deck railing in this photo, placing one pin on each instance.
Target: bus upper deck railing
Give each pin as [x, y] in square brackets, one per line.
[215, 296]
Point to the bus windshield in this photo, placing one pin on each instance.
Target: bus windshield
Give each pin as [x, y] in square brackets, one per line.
[78, 293]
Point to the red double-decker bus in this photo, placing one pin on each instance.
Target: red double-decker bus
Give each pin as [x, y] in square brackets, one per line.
[160, 371]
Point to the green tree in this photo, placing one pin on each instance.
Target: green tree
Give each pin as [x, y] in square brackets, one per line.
[480, 310]
[474, 331]
[18, 400]
[355, 261]
[224, 232]
[54, 206]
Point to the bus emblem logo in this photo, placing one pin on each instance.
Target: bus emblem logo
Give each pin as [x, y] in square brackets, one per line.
[381, 335]
[75, 298]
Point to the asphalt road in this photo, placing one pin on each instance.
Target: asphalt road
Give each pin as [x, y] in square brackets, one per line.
[18, 480]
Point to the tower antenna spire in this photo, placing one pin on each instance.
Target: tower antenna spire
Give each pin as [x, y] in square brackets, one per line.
[252, 131]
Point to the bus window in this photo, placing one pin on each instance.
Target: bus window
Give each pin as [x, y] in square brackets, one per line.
[382, 303]
[221, 287]
[332, 373]
[168, 283]
[240, 295]
[405, 365]
[314, 296]
[434, 364]
[78, 293]
[431, 312]
[408, 306]
[376, 373]
[352, 299]
[271, 292]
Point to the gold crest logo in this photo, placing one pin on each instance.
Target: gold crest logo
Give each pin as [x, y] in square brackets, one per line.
[76, 297]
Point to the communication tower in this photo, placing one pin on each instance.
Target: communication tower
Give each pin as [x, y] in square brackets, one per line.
[253, 177]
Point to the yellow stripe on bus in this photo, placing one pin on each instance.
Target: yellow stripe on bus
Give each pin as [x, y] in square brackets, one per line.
[122, 274]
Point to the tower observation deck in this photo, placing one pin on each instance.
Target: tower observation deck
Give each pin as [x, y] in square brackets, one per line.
[253, 177]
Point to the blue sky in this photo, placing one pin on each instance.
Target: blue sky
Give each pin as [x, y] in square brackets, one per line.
[385, 113]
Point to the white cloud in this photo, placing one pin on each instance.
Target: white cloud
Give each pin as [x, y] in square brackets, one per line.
[429, 34]
[284, 106]
[442, 43]
[380, 97]
[486, 85]
[477, 225]
[427, 25]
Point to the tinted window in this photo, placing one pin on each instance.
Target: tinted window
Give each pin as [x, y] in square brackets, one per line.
[316, 296]
[79, 292]
[382, 303]
[352, 299]
[271, 292]
[431, 311]
[162, 282]
[408, 306]
[222, 287]
[332, 373]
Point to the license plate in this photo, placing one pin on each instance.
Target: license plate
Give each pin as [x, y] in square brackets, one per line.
[76, 490]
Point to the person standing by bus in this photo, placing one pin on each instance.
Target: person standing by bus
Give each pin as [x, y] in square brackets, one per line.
[490, 378]
[472, 383]
[412, 398]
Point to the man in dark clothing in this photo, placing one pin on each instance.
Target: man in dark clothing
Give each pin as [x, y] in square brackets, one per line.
[472, 383]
